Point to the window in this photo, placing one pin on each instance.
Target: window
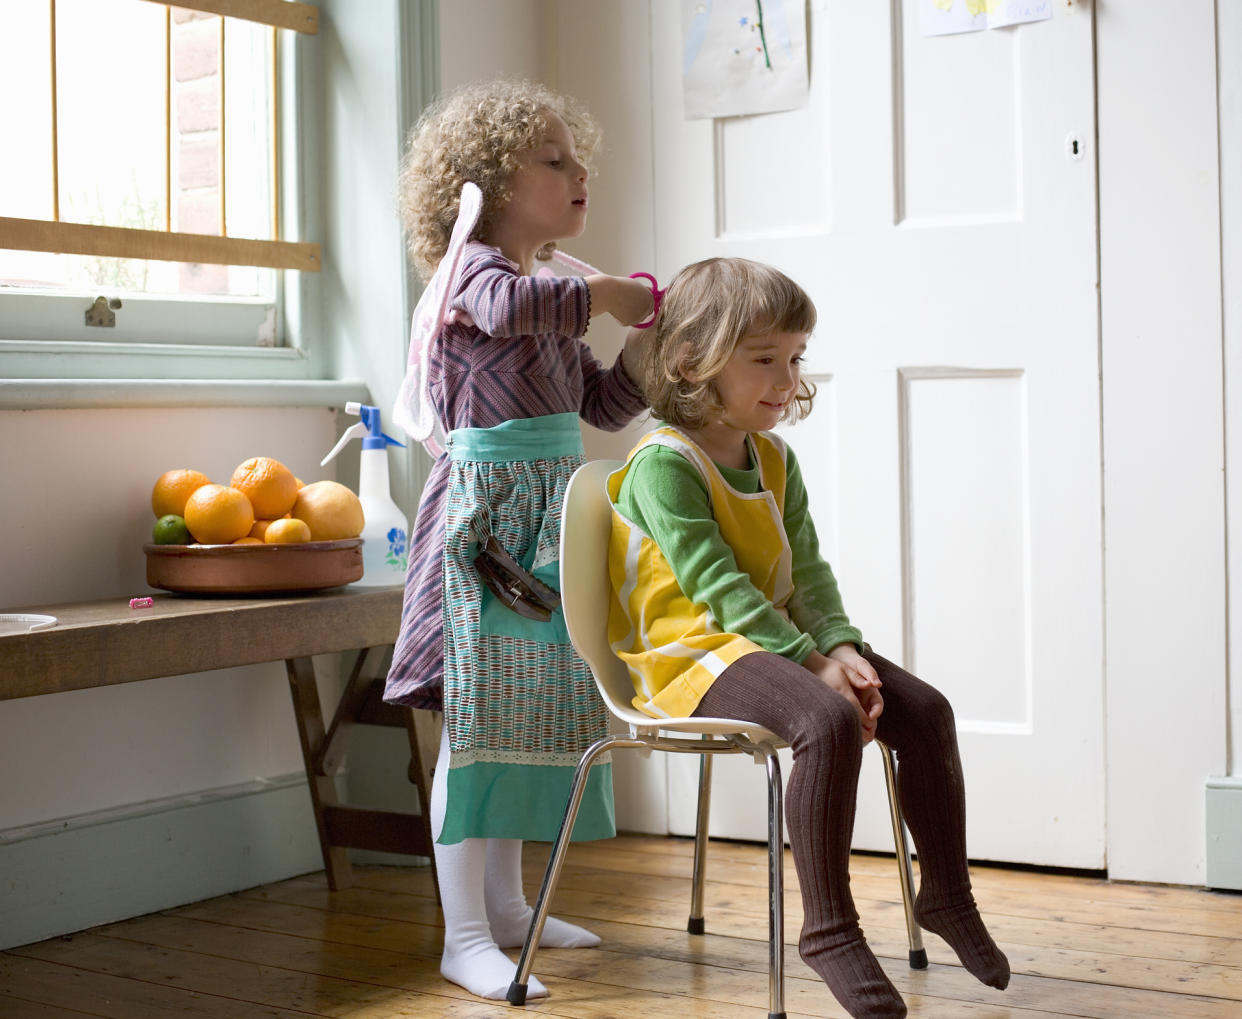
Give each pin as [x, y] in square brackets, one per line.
[150, 211]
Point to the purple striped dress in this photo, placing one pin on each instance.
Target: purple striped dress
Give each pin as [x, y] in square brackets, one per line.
[523, 359]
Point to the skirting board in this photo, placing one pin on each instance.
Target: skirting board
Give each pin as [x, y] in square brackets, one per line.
[71, 874]
[1224, 832]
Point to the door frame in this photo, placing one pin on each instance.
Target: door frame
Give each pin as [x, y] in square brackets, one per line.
[1163, 431]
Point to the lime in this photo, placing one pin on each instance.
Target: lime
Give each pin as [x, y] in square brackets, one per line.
[171, 530]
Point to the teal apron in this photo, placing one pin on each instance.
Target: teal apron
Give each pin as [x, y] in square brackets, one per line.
[520, 705]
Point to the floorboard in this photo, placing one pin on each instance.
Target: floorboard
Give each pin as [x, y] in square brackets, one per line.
[1078, 946]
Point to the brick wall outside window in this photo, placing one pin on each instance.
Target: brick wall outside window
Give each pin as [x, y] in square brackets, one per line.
[196, 138]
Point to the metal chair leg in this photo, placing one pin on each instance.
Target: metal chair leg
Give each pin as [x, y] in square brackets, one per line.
[905, 872]
[517, 989]
[695, 924]
[776, 887]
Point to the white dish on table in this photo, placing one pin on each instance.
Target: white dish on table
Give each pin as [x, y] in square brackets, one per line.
[24, 622]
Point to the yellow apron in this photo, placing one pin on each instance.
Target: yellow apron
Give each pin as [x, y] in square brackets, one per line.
[674, 647]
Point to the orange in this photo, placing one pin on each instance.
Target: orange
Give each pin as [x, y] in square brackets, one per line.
[259, 529]
[287, 531]
[268, 484]
[248, 540]
[218, 515]
[330, 510]
[173, 488]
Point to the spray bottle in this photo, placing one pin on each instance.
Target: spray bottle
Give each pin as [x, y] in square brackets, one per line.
[384, 534]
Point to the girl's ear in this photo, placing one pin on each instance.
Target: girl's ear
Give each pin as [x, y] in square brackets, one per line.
[683, 356]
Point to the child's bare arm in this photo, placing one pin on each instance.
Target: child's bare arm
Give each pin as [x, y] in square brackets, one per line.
[627, 300]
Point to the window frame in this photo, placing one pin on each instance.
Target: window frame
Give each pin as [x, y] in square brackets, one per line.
[43, 334]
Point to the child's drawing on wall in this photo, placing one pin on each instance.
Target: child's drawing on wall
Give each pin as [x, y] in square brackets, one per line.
[743, 56]
[949, 17]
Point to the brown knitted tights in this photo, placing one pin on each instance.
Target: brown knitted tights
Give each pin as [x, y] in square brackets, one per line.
[823, 731]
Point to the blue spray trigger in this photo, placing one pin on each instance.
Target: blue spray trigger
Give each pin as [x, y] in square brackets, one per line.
[368, 430]
[375, 438]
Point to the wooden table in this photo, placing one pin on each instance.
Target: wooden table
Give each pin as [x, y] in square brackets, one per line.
[104, 643]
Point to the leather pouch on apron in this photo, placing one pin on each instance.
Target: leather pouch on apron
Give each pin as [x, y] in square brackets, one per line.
[516, 587]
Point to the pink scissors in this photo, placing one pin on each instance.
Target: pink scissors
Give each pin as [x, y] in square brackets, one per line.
[657, 295]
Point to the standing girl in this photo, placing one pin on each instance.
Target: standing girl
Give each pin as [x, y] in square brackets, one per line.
[506, 380]
[723, 607]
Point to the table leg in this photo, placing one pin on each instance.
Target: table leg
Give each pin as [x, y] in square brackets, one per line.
[309, 716]
[342, 826]
[423, 728]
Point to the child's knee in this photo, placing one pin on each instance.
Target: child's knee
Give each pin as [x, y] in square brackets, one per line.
[829, 725]
[937, 712]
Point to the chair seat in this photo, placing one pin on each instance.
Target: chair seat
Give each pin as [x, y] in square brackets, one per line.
[705, 726]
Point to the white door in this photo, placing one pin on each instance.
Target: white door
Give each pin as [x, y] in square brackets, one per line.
[936, 197]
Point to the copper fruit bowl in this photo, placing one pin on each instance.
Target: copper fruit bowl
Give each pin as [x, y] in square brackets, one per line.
[254, 569]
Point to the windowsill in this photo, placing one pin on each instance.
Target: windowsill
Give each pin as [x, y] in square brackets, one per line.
[78, 394]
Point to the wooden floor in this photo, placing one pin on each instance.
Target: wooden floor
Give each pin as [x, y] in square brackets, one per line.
[1078, 946]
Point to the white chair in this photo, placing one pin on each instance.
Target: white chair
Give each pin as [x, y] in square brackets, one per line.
[585, 528]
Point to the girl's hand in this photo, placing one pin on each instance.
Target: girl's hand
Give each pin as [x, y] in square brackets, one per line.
[631, 354]
[627, 300]
[853, 686]
[860, 670]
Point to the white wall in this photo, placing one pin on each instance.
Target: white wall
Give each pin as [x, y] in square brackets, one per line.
[514, 44]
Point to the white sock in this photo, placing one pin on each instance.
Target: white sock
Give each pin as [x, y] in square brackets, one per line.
[471, 957]
[509, 914]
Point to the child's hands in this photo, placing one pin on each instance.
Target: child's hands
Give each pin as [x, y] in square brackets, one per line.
[627, 300]
[631, 354]
[860, 669]
[860, 688]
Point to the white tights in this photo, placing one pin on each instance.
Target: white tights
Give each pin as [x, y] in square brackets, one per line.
[484, 906]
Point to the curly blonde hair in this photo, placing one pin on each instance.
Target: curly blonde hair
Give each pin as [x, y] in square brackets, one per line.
[476, 133]
[708, 309]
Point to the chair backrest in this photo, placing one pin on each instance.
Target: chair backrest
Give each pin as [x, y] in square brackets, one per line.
[586, 593]
[586, 526]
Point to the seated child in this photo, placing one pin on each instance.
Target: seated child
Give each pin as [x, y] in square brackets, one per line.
[723, 607]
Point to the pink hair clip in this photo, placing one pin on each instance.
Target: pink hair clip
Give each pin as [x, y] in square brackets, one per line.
[657, 295]
[141, 603]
